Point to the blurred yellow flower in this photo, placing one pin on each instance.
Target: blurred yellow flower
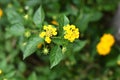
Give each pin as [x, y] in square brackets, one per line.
[42, 34]
[1, 12]
[47, 39]
[71, 32]
[54, 22]
[103, 49]
[0, 71]
[39, 45]
[105, 44]
[48, 32]
[118, 62]
[108, 39]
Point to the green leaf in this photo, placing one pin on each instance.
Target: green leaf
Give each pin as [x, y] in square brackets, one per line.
[14, 17]
[39, 16]
[95, 16]
[59, 41]
[17, 29]
[62, 20]
[32, 76]
[55, 56]
[82, 21]
[10, 74]
[78, 45]
[118, 58]
[31, 46]
[111, 62]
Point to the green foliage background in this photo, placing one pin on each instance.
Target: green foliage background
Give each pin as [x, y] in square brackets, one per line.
[92, 17]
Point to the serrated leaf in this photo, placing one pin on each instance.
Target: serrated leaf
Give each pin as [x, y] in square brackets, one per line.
[31, 46]
[78, 45]
[14, 17]
[39, 16]
[32, 76]
[55, 56]
[17, 29]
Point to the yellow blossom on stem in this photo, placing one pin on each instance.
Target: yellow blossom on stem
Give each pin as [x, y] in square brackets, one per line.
[47, 39]
[71, 32]
[1, 12]
[105, 44]
[108, 39]
[42, 34]
[103, 49]
[48, 32]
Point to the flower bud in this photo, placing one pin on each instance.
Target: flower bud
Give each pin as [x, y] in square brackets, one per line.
[64, 49]
[26, 16]
[27, 34]
[45, 51]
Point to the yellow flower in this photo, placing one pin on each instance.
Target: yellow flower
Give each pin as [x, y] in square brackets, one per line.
[105, 44]
[108, 39]
[1, 12]
[71, 32]
[47, 39]
[42, 34]
[54, 22]
[39, 45]
[103, 49]
[48, 32]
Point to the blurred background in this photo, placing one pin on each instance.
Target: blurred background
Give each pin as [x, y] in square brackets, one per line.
[95, 17]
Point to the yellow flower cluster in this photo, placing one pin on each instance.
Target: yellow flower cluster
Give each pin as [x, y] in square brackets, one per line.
[1, 12]
[71, 32]
[105, 44]
[48, 33]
